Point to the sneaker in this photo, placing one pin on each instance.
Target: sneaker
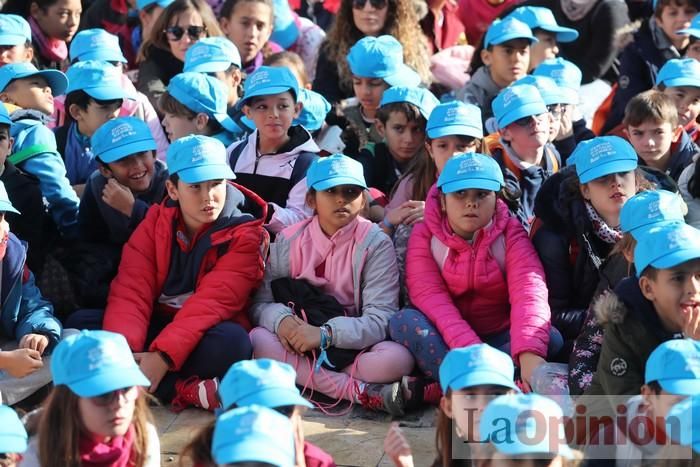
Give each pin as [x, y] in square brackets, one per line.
[384, 397]
[195, 392]
[417, 391]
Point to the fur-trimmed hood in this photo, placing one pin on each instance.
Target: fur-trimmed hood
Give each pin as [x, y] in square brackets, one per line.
[608, 308]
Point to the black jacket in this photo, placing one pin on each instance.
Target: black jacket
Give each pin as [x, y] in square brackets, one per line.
[156, 72]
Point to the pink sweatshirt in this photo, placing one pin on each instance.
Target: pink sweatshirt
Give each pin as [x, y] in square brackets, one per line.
[470, 291]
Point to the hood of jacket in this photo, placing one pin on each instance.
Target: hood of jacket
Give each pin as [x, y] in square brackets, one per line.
[559, 207]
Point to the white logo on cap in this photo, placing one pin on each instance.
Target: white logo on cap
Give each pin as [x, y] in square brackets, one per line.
[198, 153]
[200, 52]
[451, 114]
[509, 95]
[122, 131]
[654, 210]
[99, 42]
[469, 165]
[105, 354]
[335, 168]
[557, 73]
[261, 77]
[676, 240]
[601, 150]
[693, 364]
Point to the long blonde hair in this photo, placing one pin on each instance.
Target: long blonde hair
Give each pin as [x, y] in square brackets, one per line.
[60, 430]
[401, 22]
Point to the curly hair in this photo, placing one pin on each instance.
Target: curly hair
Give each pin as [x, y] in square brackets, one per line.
[401, 22]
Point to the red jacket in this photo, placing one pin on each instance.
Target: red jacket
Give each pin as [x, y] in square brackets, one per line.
[226, 277]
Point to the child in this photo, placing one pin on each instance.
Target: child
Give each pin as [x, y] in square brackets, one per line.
[572, 126]
[219, 58]
[253, 436]
[29, 329]
[273, 160]
[98, 44]
[545, 28]
[274, 388]
[195, 104]
[185, 276]
[467, 227]
[98, 403]
[376, 64]
[469, 378]
[693, 32]
[13, 437]
[664, 297]
[523, 152]
[53, 24]
[553, 98]
[248, 24]
[657, 41]
[345, 256]
[680, 80]
[94, 96]
[505, 57]
[30, 92]
[651, 124]
[15, 40]
[117, 196]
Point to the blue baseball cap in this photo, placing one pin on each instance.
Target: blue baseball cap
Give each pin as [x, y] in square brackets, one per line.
[455, 118]
[549, 90]
[120, 138]
[263, 382]
[537, 17]
[516, 102]
[679, 72]
[56, 80]
[285, 31]
[268, 80]
[96, 44]
[470, 171]
[381, 57]
[334, 170]
[694, 29]
[202, 93]
[197, 158]
[5, 204]
[14, 30]
[5, 116]
[603, 156]
[141, 4]
[476, 365]
[211, 55]
[683, 422]
[253, 434]
[314, 109]
[651, 208]
[521, 424]
[93, 363]
[420, 97]
[566, 74]
[507, 29]
[100, 80]
[675, 365]
[13, 436]
[666, 246]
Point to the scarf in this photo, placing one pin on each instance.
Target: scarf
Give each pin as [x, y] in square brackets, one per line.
[602, 230]
[55, 50]
[78, 157]
[575, 10]
[116, 453]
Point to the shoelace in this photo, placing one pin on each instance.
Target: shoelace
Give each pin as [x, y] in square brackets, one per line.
[370, 402]
[432, 393]
[183, 395]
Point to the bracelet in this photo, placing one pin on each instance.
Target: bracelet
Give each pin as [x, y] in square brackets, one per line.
[387, 224]
[325, 337]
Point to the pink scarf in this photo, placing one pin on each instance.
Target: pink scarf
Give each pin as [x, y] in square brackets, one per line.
[116, 453]
[55, 50]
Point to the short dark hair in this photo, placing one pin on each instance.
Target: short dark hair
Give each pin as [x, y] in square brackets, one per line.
[661, 4]
[169, 104]
[411, 112]
[652, 105]
[654, 386]
[83, 100]
[650, 272]
[174, 178]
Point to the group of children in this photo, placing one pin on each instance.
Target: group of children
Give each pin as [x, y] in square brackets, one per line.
[234, 207]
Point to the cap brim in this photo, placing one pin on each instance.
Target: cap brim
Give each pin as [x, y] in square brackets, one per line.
[213, 66]
[481, 378]
[691, 81]
[12, 444]
[471, 184]
[227, 122]
[102, 56]
[109, 381]
[205, 173]
[623, 165]
[120, 152]
[6, 206]
[563, 34]
[456, 130]
[689, 31]
[248, 449]
[56, 80]
[641, 229]
[536, 108]
[108, 93]
[551, 98]
[405, 76]
[512, 36]
[336, 181]
[268, 91]
[677, 257]
[275, 397]
[681, 387]
[12, 39]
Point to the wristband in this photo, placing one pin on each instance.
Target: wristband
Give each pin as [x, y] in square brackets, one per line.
[387, 224]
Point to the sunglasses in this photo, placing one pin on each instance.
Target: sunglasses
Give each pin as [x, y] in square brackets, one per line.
[556, 110]
[108, 398]
[175, 33]
[525, 121]
[376, 4]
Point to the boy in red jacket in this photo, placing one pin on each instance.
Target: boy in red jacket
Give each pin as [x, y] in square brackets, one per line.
[181, 294]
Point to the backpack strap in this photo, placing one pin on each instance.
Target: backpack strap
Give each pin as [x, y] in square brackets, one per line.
[301, 166]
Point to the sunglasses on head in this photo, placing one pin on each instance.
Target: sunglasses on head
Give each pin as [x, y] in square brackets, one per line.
[103, 400]
[376, 4]
[556, 110]
[175, 33]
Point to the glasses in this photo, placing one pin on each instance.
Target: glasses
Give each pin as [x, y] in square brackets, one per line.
[108, 398]
[175, 33]
[556, 110]
[376, 4]
[525, 121]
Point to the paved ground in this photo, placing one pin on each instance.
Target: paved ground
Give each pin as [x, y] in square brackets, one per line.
[355, 439]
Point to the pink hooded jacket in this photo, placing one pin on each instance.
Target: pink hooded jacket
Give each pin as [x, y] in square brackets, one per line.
[469, 291]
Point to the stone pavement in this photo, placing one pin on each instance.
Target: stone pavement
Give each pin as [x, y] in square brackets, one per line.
[354, 439]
